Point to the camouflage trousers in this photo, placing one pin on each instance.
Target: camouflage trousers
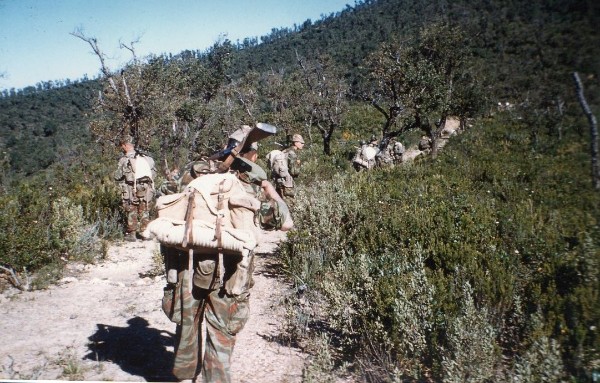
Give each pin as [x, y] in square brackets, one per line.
[224, 316]
[286, 193]
[137, 214]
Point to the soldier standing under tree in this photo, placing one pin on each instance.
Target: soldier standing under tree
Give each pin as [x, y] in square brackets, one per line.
[135, 174]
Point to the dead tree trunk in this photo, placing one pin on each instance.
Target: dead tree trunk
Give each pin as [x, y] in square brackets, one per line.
[593, 131]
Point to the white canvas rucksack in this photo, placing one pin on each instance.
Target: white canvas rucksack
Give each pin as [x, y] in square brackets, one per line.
[213, 215]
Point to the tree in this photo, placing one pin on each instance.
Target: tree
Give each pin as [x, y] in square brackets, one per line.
[593, 131]
[418, 83]
[162, 101]
[283, 92]
[121, 104]
[326, 101]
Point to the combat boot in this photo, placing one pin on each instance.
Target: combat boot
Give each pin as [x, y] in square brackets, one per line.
[130, 237]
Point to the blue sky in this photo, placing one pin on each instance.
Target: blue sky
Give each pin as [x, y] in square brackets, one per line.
[36, 44]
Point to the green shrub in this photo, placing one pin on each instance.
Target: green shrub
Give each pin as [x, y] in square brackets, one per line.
[390, 252]
[66, 225]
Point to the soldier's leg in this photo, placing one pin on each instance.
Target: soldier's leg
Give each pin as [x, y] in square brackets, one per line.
[144, 215]
[225, 317]
[188, 346]
[288, 196]
[279, 188]
[147, 194]
[131, 217]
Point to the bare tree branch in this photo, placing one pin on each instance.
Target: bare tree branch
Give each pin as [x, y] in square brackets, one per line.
[93, 42]
[593, 130]
[15, 280]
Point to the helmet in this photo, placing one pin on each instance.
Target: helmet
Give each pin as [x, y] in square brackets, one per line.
[126, 139]
[297, 138]
[199, 168]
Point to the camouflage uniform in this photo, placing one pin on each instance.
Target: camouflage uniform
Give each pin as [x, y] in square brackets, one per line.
[286, 186]
[137, 195]
[225, 312]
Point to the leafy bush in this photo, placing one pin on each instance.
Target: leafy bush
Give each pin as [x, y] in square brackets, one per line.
[56, 216]
[419, 261]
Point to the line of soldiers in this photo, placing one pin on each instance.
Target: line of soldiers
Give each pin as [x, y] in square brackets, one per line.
[371, 154]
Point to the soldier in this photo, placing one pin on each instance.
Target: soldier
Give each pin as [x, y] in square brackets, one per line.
[365, 157]
[219, 294]
[177, 181]
[135, 174]
[285, 183]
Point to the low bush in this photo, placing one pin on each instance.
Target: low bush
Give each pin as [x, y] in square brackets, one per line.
[441, 264]
[53, 218]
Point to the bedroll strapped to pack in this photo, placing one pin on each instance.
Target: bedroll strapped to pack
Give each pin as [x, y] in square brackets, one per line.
[212, 215]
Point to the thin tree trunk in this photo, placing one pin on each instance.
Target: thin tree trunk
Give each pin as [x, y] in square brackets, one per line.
[593, 131]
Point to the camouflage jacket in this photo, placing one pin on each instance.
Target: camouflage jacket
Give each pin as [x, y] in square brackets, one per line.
[293, 161]
[125, 172]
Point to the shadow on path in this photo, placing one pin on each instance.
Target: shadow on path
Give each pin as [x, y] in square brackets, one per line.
[138, 349]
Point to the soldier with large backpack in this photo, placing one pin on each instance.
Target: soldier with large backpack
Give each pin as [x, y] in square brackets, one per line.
[135, 174]
[208, 234]
[285, 167]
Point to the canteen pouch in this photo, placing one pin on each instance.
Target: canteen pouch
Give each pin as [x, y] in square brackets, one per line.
[204, 274]
[125, 192]
[171, 302]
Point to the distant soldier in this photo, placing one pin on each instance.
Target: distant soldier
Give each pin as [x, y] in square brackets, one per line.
[391, 154]
[285, 167]
[135, 175]
[177, 181]
[425, 144]
[365, 157]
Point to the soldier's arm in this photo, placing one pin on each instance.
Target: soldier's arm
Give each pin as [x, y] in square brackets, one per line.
[119, 174]
[152, 167]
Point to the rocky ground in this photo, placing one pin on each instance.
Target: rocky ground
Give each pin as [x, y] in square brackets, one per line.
[103, 322]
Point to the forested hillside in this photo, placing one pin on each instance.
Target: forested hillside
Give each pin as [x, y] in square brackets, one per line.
[40, 127]
[478, 263]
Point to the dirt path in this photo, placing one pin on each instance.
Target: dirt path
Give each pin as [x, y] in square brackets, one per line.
[105, 323]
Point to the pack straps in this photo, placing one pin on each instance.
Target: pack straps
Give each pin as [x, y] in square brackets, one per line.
[188, 237]
[219, 232]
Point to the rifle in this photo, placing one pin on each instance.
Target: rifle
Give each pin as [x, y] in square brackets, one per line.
[227, 155]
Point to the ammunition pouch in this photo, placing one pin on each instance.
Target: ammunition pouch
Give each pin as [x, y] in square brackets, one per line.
[144, 191]
[126, 194]
[269, 216]
[171, 302]
[238, 273]
[288, 191]
[205, 275]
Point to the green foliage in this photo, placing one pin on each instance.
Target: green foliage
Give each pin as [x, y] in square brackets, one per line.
[425, 259]
[66, 225]
[58, 215]
[470, 356]
[479, 265]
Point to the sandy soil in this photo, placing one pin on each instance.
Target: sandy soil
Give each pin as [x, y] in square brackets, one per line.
[104, 322]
